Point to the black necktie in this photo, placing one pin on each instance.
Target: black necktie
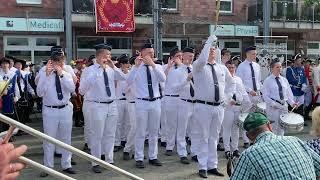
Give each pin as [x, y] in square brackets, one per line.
[280, 88]
[191, 88]
[216, 83]
[253, 78]
[58, 87]
[150, 89]
[160, 90]
[175, 66]
[234, 97]
[106, 82]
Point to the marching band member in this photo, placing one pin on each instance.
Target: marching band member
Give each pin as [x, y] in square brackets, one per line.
[55, 87]
[185, 108]
[277, 93]
[225, 55]
[147, 75]
[99, 87]
[297, 80]
[131, 95]
[210, 79]
[122, 103]
[250, 74]
[174, 77]
[237, 98]
[12, 94]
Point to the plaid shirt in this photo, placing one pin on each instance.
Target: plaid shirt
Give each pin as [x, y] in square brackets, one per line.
[277, 157]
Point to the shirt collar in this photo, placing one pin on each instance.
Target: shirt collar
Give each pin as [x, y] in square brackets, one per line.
[273, 76]
[263, 136]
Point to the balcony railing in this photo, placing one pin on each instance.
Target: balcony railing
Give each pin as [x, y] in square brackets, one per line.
[142, 7]
[286, 11]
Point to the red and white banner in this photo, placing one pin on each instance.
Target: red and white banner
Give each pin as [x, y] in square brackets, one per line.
[115, 15]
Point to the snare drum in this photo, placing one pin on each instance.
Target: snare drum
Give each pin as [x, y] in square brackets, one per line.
[261, 107]
[291, 122]
[241, 119]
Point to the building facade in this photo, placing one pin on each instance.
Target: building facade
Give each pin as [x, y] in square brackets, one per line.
[28, 28]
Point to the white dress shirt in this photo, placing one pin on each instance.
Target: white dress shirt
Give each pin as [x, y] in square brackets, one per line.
[270, 90]
[47, 88]
[184, 85]
[121, 88]
[92, 83]
[203, 80]
[174, 78]
[138, 75]
[244, 72]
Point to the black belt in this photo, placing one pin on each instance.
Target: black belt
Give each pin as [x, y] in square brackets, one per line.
[278, 101]
[172, 95]
[104, 102]
[147, 99]
[122, 99]
[189, 100]
[57, 107]
[209, 103]
[132, 102]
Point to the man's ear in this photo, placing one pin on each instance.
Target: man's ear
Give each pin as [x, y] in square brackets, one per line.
[269, 126]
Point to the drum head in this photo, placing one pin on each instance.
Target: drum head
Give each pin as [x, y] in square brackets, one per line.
[262, 105]
[291, 118]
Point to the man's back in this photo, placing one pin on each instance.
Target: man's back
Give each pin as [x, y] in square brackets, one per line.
[277, 157]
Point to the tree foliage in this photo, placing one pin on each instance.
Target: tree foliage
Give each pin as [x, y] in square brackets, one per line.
[311, 2]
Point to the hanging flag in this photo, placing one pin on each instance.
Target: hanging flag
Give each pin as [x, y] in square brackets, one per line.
[115, 16]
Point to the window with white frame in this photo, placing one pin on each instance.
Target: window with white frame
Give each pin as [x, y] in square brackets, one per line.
[313, 49]
[234, 45]
[29, 2]
[120, 45]
[30, 48]
[170, 4]
[169, 43]
[226, 6]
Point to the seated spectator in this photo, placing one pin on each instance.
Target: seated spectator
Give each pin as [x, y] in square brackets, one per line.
[274, 157]
[315, 131]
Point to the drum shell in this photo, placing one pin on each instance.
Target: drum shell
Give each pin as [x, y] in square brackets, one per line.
[291, 127]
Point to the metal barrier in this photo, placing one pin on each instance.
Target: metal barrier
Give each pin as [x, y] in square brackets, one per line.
[75, 151]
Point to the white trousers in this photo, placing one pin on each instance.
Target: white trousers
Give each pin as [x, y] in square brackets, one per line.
[230, 128]
[273, 114]
[185, 111]
[171, 109]
[132, 129]
[123, 121]
[148, 120]
[86, 116]
[209, 118]
[57, 121]
[103, 125]
[163, 122]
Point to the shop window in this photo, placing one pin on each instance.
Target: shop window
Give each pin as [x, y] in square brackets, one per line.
[119, 43]
[226, 6]
[313, 45]
[46, 41]
[89, 42]
[29, 2]
[39, 56]
[25, 55]
[14, 41]
[232, 45]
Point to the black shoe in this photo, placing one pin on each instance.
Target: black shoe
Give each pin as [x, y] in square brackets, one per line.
[194, 158]
[163, 144]
[169, 152]
[246, 145]
[73, 163]
[155, 162]
[236, 153]
[43, 174]
[103, 157]
[126, 156]
[69, 171]
[96, 169]
[203, 173]
[123, 143]
[215, 172]
[146, 142]
[220, 147]
[117, 148]
[184, 160]
[140, 164]
[227, 154]
[57, 155]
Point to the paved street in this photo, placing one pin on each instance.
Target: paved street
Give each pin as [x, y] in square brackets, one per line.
[172, 169]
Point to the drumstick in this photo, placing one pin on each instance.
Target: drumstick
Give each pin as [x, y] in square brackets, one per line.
[293, 109]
